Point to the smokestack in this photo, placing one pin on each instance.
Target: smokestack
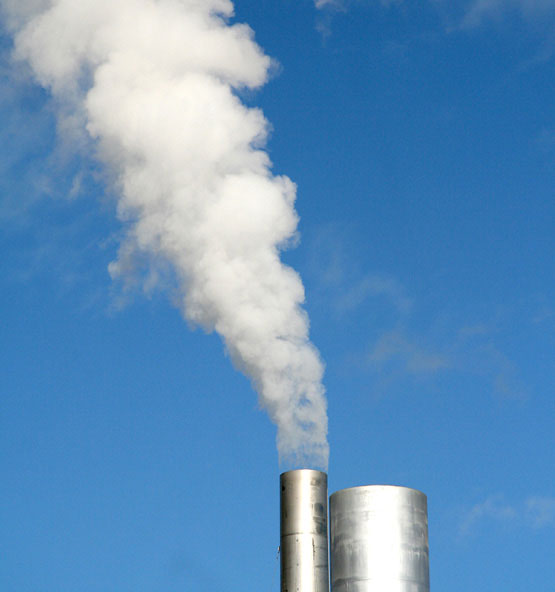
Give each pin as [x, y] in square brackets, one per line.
[379, 540]
[304, 531]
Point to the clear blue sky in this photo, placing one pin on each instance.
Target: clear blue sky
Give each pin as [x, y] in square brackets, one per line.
[421, 137]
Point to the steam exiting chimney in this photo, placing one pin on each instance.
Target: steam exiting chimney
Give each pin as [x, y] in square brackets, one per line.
[378, 537]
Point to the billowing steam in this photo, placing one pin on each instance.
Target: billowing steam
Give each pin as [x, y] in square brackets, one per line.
[153, 83]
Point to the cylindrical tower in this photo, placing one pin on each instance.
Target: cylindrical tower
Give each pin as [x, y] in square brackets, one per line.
[304, 531]
[379, 540]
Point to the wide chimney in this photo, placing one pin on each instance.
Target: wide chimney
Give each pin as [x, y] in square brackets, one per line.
[304, 531]
[379, 540]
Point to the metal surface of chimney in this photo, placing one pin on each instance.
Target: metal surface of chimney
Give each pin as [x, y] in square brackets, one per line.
[379, 540]
[304, 531]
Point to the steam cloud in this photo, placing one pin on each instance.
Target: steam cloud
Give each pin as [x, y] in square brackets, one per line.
[153, 83]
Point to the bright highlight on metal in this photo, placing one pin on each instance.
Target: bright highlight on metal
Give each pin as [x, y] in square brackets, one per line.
[379, 540]
[304, 531]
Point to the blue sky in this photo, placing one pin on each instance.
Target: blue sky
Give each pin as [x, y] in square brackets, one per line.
[421, 139]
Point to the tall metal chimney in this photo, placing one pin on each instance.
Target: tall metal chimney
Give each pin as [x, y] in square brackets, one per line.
[304, 531]
[379, 540]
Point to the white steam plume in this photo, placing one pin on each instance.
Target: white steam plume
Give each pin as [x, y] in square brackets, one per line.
[153, 83]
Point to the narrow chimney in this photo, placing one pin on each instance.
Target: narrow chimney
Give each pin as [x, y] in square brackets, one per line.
[304, 531]
[379, 540]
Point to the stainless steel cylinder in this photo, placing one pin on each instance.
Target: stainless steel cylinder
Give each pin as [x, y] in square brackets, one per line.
[379, 540]
[304, 531]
